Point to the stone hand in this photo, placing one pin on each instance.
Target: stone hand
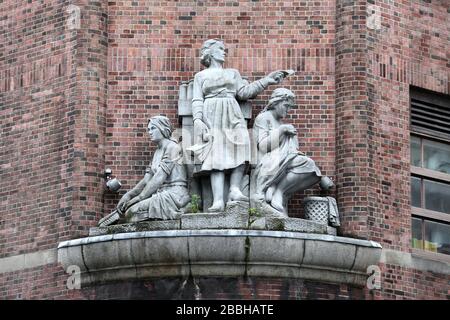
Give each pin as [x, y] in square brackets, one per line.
[123, 202]
[132, 202]
[200, 129]
[278, 76]
[275, 77]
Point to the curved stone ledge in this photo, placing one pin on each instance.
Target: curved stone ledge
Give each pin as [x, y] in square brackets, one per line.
[255, 253]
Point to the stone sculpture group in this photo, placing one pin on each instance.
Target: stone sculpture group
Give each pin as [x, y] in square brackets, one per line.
[222, 150]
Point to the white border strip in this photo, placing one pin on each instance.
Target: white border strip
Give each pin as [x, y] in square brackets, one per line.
[28, 260]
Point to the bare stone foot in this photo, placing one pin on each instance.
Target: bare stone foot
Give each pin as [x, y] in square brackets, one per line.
[326, 183]
[236, 195]
[218, 206]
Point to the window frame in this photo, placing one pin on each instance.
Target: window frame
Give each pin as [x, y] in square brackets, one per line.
[424, 173]
[424, 254]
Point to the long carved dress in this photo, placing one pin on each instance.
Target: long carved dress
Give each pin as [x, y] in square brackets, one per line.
[173, 194]
[273, 165]
[215, 95]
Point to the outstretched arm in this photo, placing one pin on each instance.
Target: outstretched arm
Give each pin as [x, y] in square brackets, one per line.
[247, 91]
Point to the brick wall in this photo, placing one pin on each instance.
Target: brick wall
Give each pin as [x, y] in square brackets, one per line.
[408, 283]
[407, 48]
[52, 104]
[382, 49]
[351, 117]
[90, 121]
[45, 282]
[224, 289]
[37, 108]
[407, 42]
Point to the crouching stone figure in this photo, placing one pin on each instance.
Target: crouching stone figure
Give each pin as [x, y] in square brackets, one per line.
[163, 192]
[281, 169]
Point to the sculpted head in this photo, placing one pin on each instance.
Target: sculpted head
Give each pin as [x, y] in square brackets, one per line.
[212, 49]
[159, 127]
[281, 101]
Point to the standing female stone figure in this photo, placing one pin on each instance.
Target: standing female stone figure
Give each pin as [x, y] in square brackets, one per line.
[223, 142]
[281, 168]
[163, 192]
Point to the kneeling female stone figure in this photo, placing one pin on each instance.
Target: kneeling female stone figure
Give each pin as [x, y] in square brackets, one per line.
[281, 168]
[163, 191]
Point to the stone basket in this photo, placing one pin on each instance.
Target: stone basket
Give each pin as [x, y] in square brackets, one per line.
[316, 209]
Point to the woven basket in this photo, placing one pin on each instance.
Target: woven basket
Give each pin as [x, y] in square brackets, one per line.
[316, 209]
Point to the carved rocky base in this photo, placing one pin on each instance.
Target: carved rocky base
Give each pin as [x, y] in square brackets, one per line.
[233, 220]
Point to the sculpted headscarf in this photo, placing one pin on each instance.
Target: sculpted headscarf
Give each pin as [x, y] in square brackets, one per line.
[163, 124]
[279, 94]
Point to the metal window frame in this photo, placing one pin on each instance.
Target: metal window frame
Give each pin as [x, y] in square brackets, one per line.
[420, 253]
[424, 173]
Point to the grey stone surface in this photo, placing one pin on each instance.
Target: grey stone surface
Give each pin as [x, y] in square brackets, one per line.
[27, 260]
[159, 250]
[227, 253]
[406, 259]
[307, 273]
[257, 223]
[214, 221]
[295, 224]
[72, 255]
[232, 219]
[281, 250]
[364, 258]
[237, 207]
[331, 231]
[185, 99]
[101, 255]
[135, 227]
[330, 254]
[141, 255]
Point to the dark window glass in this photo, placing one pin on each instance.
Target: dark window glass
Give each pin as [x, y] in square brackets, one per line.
[415, 192]
[415, 152]
[436, 156]
[437, 196]
[417, 241]
[437, 237]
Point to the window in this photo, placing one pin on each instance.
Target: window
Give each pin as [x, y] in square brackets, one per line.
[430, 173]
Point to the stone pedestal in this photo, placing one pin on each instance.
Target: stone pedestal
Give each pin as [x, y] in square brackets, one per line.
[220, 253]
[235, 243]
